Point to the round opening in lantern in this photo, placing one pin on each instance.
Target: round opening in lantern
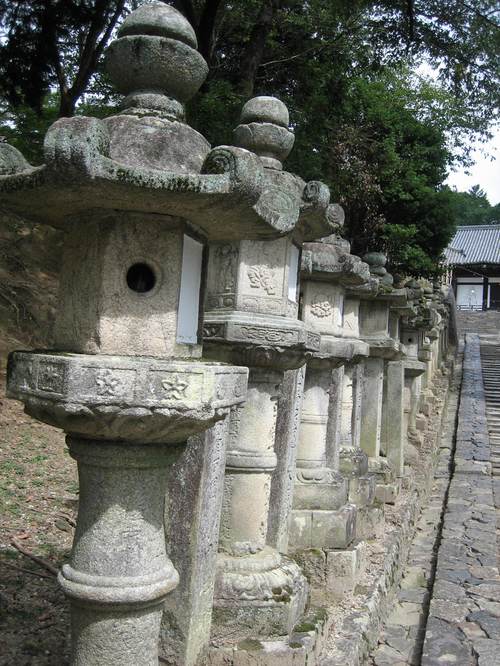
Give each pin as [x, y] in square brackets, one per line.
[141, 278]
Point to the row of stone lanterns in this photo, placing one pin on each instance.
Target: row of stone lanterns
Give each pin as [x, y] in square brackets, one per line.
[183, 321]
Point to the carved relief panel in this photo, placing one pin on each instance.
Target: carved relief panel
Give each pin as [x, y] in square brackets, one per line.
[254, 276]
[263, 276]
[324, 307]
[222, 275]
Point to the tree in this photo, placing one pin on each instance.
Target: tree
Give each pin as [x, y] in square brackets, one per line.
[386, 164]
[50, 44]
[473, 207]
[254, 42]
[381, 137]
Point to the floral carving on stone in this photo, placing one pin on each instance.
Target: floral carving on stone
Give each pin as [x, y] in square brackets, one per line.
[175, 388]
[321, 307]
[262, 277]
[106, 383]
[51, 377]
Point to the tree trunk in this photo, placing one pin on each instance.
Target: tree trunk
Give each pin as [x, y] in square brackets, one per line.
[252, 57]
[67, 105]
[207, 29]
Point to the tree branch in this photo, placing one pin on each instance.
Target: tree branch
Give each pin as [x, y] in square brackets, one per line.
[482, 16]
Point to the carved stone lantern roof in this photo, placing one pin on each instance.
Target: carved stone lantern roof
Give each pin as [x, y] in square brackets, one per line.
[327, 268]
[147, 159]
[252, 286]
[329, 259]
[375, 310]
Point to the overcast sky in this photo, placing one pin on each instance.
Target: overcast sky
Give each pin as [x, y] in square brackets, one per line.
[485, 172]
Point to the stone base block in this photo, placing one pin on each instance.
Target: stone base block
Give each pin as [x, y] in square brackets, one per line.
[332, 573]
[325, 493]
[323, 529]
[302, 648]
[362, 490]
[263, 594]
[379, 467]
[387, 493]
[353, 462]
[345, 568]
[370, 522]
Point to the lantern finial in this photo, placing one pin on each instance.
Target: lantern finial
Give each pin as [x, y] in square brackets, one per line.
[264, 130]
[154, 61]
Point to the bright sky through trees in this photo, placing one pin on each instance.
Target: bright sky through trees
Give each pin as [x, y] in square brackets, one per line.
[484, 172]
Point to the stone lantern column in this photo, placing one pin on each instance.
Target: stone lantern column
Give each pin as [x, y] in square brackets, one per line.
[138, 194]
[349, 391]
[251, 319]
[382, 412]
[319, 486]
[323, 519]
[413, 370]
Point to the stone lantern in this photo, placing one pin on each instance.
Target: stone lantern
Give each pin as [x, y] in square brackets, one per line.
[323, 520]
[413, 370]
[138, 194]
[382, 433]
[348, 394]
[251, 318]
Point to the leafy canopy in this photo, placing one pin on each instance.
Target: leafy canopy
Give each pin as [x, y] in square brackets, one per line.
[382, 137]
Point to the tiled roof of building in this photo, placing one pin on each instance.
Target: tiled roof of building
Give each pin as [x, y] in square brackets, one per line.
[474, 244]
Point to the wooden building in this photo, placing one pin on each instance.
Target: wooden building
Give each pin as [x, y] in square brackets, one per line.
[473, 262]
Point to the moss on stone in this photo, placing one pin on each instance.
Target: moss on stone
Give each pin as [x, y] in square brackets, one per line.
[304, 627]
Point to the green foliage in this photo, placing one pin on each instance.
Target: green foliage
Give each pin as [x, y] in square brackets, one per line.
[473, 207]
[382, 137]
[53, 45]
[385, 162]
[25, 129]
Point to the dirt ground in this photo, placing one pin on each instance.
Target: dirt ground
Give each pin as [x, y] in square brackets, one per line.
[38, 502]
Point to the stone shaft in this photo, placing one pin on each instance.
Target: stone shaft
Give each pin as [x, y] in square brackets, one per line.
[286, 445]
[392, 417]
[193, 501]
[371, 417]
[250, 462]
[257, 589]
[119, 573]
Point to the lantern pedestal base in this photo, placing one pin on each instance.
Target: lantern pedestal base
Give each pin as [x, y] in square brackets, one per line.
[258, 595]
[323, 529]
